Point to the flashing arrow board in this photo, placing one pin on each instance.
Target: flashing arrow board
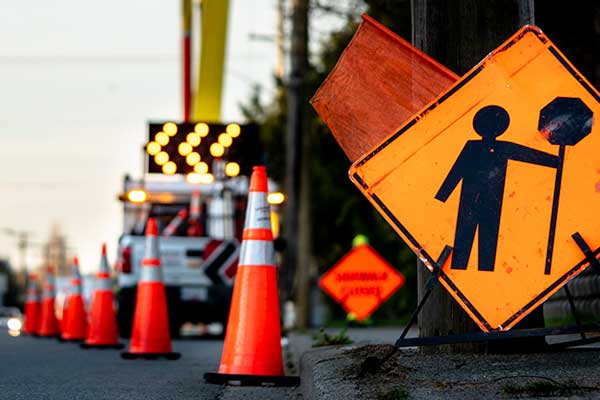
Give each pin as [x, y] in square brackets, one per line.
[186, 147]
[361, 281]
[503, 168]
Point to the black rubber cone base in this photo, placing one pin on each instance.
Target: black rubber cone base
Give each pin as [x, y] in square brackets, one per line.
[116, 346]
[251, 380]
[149, 356]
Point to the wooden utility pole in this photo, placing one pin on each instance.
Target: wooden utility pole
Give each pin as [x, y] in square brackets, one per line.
[459, 34]
[279, 39]
[297, 218]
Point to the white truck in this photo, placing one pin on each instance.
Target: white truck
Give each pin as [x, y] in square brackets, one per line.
[198, 270]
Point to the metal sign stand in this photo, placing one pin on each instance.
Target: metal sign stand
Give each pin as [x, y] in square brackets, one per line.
[374, 363]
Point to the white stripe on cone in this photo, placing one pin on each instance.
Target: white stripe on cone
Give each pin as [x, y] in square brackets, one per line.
[195, 206]
[172, 227]
[151, 249]
[258, 215]
[257, 252]
[33, 297]
[75, 275]
[49, 287]
[103, 264]
[103, 284]
[151, 274]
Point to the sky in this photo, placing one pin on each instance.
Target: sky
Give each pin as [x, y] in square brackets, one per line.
[79, 80]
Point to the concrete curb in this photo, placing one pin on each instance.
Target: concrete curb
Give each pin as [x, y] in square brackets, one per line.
[320, 371]
[330, 373]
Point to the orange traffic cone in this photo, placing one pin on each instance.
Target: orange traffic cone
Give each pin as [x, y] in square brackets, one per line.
[252, 350]
[171, 229]
[32, 307]
[195, 221]
[102, 330]
[61, 315]
[48, 326]
[74, 319]
[150, 336]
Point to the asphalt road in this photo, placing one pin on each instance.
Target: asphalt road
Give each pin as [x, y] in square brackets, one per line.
[34, 368]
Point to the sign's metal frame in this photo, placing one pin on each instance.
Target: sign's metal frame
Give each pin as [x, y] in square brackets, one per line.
[372, 363]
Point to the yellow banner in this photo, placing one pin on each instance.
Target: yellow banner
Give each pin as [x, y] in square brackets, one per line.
[206, 104]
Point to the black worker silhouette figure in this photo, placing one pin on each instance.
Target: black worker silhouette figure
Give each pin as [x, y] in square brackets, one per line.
[482, 166]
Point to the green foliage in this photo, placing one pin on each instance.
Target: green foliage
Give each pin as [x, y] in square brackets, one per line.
[338, 211]
[324, 339]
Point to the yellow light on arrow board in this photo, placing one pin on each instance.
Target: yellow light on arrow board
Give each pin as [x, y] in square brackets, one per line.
[153, 148]
[207, 178]
[233, 130]
[170, 128]
[225, 140]
[193, 177]
[232, 169]
[217, 150]
[161, 158]
[201, 129]
[192, 159]
[193, 138]
[184, 148]
[201, 168]
[169, 168]
[161, 138]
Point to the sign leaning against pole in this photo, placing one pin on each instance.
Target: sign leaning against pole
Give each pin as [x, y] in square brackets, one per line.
[478, 169]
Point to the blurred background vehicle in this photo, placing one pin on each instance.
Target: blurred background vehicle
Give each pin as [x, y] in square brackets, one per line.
[199, 256]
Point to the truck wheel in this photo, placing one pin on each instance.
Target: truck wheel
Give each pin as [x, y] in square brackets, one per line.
[126, 300]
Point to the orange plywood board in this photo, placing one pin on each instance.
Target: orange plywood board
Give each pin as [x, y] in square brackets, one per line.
[379, 82]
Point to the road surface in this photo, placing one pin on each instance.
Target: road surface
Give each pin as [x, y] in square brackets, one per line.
[35, 368]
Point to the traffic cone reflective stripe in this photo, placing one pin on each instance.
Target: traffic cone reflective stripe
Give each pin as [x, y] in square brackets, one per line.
[48, 324]
[103, 278]
[195, 220]
[195, 210]
[151, 253]
[151, 274]
[252, 349]
[74, 317]
[150, 335]
[175, 223]
[103, 330]
[32, 307]
[257, 253]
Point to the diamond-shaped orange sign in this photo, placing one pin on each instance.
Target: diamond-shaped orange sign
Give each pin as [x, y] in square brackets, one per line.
[503, 168]
[361, 281]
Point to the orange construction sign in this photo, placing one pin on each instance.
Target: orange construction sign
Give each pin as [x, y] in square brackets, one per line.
[502, 167]
[361, 281]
